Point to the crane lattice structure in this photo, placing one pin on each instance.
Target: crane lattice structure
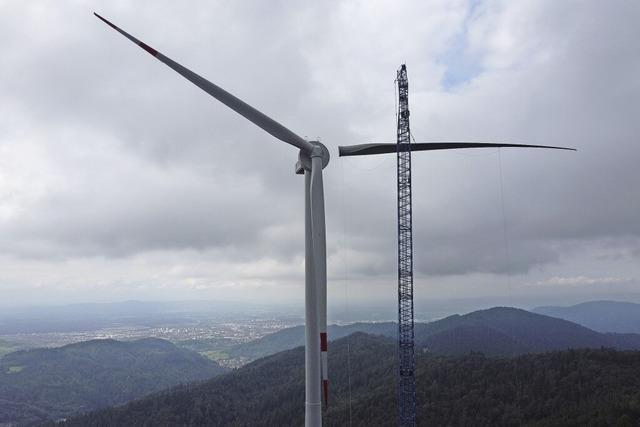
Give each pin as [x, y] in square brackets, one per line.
[403, 147]
[406, 355]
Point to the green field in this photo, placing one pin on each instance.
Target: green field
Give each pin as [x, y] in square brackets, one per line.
[7, 347]
[215, 354]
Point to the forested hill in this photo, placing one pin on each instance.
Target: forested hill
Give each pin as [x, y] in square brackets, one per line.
[602, 316]
[567, 388]
[289, 338]
[499, 331]
[41, 384]
[504, 331]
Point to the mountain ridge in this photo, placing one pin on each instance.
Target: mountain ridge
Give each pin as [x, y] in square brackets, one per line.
[519, 330]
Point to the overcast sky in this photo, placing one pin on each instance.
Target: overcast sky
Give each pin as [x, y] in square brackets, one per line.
[120, 180]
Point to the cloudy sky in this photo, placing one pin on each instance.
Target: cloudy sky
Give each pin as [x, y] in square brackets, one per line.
[121, 180]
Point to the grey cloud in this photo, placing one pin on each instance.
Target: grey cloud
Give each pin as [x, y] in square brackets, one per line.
[131, 159]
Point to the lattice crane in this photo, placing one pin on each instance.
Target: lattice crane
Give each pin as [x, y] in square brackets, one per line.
[406, 355]
[403, 148]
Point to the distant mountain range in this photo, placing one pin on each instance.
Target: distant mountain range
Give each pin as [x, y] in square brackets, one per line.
[41, 384]
[601, 316]
[499, 331]
[550, 389]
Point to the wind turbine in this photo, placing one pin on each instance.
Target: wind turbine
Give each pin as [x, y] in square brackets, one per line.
[403, 147]
[312, 158]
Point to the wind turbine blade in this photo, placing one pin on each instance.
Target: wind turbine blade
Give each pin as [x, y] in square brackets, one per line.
[256, 117]
[383, 148]
[318, 233]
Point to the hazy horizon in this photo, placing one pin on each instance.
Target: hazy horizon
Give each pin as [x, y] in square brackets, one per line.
[352, 309]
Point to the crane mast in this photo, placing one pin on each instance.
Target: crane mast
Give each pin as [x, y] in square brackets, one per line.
[403, 148]
[406, 355]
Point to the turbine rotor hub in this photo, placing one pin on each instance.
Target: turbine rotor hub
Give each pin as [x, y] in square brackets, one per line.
[304, 157]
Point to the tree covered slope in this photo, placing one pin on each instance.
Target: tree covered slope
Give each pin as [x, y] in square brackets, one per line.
[566, 388]
[41, 384]
[499, 331]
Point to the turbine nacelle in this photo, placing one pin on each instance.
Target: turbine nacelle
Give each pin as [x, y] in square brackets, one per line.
[304, 157]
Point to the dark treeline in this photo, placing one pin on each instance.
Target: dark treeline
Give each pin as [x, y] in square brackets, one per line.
[591, 387]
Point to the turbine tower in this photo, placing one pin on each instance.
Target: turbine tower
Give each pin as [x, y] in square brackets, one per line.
[313, 157]
[403, 148]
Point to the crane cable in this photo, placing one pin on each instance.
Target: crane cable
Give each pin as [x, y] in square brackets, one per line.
[507, 252]
[346, 262]
[507, 255]
[346, 281]
[505, 236]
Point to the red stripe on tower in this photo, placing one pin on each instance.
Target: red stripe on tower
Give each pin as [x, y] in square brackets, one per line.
[325, 391]
[325, 374]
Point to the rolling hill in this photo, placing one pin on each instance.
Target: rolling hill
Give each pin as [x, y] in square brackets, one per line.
[567, 388]
[499, 331]
[516, 331]
[601, 316]
[41, 384]
[293, 337]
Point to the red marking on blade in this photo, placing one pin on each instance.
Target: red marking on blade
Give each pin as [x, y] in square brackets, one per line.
[325, 391]
[106, 22]
[148, 48]
[323, 341]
